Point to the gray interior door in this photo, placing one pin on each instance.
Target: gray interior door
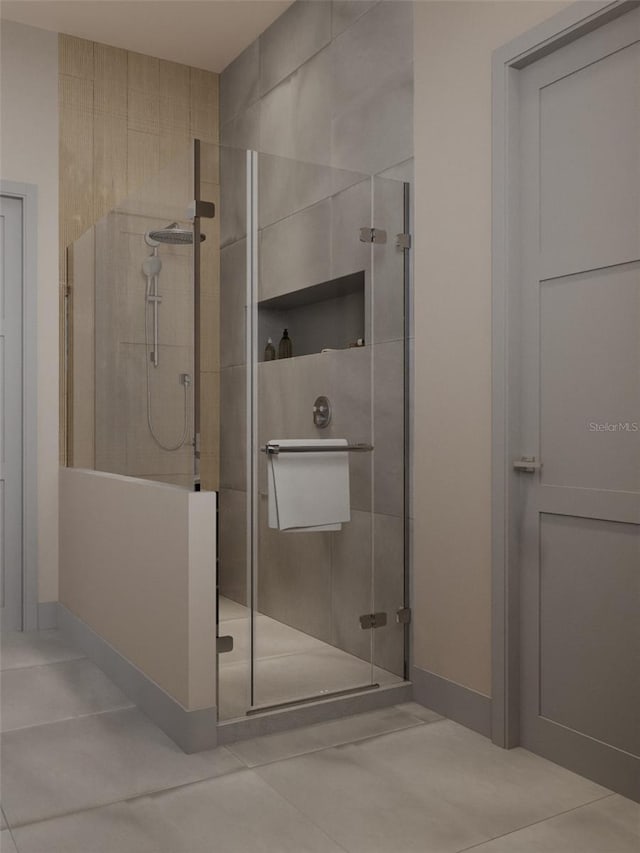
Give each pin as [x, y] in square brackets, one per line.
[11, 281]
[580, 405]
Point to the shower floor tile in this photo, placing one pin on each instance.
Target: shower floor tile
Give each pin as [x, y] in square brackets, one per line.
[289, 664]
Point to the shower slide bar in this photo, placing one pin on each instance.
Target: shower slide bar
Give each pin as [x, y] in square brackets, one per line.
[275, 449]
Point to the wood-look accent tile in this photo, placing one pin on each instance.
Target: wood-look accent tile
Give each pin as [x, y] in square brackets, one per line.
[204, 125]
[110, 145]
[110, 87]
[174, 80]
[143, 111]
[143, 158]
[76, 93]
[76, 173]
[174, 114]
[173, 144]
[143, 73]
[210, 471]
[75, 56]
[209, 412]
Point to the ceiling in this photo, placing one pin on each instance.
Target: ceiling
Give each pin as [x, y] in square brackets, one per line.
[203, 33]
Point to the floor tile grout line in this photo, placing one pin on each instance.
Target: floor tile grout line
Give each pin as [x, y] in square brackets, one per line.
[358, 740]
[150, 793]
[40, 665]
[74, 717]
[536, 823]
[303, 814]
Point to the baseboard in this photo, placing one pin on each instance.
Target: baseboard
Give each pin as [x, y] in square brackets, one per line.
[315, 712]
[458, 703]
[193, 731]
[47, 615]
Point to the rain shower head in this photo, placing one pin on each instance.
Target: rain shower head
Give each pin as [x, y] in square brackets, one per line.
[172, 235]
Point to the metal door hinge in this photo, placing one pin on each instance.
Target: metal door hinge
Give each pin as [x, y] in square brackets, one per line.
[403, 241]
[373, 235]
[403, 616]
[203, 209]
[527, 464]
[373, 620]
[224, 644]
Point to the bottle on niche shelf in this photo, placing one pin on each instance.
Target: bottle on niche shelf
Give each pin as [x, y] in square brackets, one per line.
[285, 347]
[269, 351]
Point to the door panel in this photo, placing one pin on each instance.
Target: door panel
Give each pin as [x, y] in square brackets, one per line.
[590, 389]
[588, 613]
[590, 166]
[580, 404]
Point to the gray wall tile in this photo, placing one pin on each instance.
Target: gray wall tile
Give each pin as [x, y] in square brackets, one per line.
[233, 298]
[233, 463]
[239, 82]
[293, 38]
[295, 119]
[287, 186]
[233, 195]
[346, 12]
[243, 130]
[233, 545]
[389, 591]
[376, 130]
[296, 252]
[350, 211]
[388, 368]
[352, 585]
[388, 261]
[294, 573]
[377, 46]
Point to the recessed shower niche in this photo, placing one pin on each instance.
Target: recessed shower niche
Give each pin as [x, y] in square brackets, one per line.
[329, 315]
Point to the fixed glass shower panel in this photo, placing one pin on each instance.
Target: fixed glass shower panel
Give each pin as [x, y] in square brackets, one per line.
[325, 397]
[131, 383]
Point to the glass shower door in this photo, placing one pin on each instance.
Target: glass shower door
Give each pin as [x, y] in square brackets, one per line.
[312, 535]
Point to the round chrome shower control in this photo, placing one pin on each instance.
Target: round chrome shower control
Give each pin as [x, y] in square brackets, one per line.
[322, 412]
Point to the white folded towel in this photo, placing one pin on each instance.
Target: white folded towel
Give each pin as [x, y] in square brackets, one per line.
[308, 492]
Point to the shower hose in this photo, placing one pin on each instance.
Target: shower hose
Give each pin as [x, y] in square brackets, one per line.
[185, 431]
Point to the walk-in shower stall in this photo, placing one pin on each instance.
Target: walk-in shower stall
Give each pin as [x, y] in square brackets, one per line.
[173, 299]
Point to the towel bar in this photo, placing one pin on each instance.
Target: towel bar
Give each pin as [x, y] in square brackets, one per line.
[274, 449]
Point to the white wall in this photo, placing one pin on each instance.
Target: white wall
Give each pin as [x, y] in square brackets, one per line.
[453, 45]
[29, 154]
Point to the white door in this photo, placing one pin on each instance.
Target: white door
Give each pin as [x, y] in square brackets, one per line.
[580, 405]
[11, 284]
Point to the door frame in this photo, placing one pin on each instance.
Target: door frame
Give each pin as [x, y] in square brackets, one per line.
[572, 23]
[28, 194]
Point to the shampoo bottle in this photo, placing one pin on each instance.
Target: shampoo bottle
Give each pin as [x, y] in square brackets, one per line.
[269, 351]
[285, 348]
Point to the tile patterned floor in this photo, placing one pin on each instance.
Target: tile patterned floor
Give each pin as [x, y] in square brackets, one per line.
[82, 772]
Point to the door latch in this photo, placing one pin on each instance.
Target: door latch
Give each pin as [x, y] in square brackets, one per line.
[527, 465]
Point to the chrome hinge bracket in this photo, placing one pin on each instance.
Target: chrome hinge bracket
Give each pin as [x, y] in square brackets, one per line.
[403, 241]
[203, 209]
[224, 644]
[373, 620]
[373, 235]
[403, 616]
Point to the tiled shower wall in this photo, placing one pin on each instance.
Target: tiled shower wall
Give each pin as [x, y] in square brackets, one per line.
[123, 117]
[330, 86]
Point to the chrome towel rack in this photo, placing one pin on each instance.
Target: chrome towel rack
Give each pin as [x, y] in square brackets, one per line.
[275, 449]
